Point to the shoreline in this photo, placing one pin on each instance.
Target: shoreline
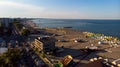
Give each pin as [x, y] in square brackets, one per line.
[67, 38]
[96, 27]
[79, 31]
[34, 25]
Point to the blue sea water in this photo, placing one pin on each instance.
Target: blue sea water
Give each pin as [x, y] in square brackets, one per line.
[107, 27]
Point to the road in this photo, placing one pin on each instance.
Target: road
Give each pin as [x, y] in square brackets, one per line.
[30, 58]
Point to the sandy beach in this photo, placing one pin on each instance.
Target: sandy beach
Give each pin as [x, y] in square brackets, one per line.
[73, 48]
[66, 38]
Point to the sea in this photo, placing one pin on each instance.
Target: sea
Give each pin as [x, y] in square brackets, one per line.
[106, 27]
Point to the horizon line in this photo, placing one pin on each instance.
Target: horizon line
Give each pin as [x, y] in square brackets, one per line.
[67, 18]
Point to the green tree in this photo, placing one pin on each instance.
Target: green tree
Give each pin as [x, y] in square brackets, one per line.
[25, 32]
[19, 26]
[10, 58]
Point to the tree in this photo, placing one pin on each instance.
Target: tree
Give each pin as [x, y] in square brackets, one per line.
[17, 24]
[2, 24]
[9, 31]
[1, 28]
[10, 58]
[25, 32]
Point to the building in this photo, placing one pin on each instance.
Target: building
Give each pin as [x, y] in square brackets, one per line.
[45, 43]
[6, 21]
[38, 45]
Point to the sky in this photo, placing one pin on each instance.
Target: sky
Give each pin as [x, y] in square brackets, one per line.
[65, 9]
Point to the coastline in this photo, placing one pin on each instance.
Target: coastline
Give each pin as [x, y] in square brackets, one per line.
[68, 38]
[106, 27]
[35, 25]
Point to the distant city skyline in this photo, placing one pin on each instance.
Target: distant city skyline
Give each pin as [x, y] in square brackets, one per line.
[61, 9]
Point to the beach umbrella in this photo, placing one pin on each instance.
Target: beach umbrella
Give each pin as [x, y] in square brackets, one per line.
[91, 60]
